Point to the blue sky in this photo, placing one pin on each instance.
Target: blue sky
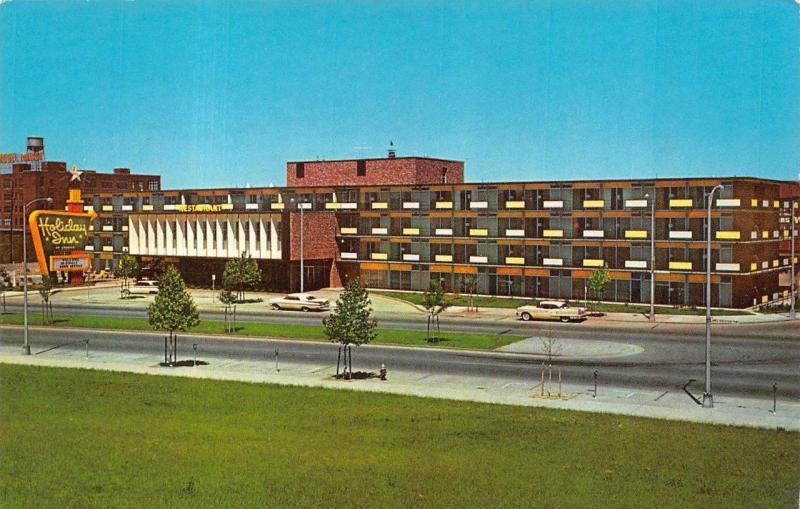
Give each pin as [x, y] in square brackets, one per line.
[224, 93]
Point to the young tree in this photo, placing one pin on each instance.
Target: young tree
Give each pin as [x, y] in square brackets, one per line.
[598, 282]
[5, 284]
[471, 287]
[228, 299]
[434, 301]
[241, 274]
[45, 291]
[173, 309]
[127, 267]
[550, 348]
[350, 323]
[550, 345]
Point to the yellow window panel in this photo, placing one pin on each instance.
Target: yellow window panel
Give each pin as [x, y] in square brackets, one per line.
[680, 203]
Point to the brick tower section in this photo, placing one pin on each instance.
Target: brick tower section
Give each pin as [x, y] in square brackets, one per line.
[366, 172]
[319, 240]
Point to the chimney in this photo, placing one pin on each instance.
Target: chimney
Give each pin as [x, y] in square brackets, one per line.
[392, 151]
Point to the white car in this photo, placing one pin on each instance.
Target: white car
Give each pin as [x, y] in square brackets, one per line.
[300, 302]
[551, 310]
[143, 287]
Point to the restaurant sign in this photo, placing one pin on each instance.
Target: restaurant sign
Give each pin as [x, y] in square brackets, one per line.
[204, 207]
[57, 235]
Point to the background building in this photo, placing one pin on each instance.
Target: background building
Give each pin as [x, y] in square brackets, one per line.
[28, 176]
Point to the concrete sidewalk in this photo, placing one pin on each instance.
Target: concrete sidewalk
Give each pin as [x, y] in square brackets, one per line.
[670, 405]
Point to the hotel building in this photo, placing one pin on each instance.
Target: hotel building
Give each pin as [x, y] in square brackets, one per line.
[398, 222]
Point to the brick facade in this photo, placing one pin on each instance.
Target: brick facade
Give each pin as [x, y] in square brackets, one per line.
[389, 171]
[319, 236]
[29, 181]
[790, 201]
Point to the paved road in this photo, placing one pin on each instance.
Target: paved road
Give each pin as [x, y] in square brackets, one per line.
[743, 365]
[593, 328]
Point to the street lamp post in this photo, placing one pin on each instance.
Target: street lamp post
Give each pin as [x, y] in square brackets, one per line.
[793, 289]
[708, 399]
[793, 286]
[302, 235]
[26, 347]
[652, 316]
[301, 206]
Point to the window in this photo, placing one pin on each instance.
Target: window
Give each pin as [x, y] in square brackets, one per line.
[300, 170]
[617, 198]
[152, 185]
[361, 168]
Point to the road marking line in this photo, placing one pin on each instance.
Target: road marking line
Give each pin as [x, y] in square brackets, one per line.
[629, 395]
[661, 396]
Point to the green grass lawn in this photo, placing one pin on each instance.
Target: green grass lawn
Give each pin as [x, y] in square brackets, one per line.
[84, 438]
[274, 330]
[506, 302]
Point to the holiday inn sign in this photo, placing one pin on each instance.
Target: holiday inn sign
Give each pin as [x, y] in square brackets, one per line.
[59, 239]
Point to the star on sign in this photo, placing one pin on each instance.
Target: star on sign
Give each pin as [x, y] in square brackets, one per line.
[76, 175]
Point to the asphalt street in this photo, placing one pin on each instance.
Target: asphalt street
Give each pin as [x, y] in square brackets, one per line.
[746, 363]
[589, 328]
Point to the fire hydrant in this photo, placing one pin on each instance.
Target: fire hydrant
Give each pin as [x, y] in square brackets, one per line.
[383, 372]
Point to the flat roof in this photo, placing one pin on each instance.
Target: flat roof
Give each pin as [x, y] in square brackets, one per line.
[456, 185]
[374, 159]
